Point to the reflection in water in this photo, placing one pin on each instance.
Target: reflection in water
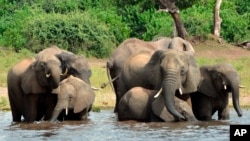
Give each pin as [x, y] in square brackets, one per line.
[104, 126]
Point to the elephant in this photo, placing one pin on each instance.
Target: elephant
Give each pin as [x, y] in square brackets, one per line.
[213, 92]
[140, 104]
[132, 46]
[30, 84]
[173, 71]
[76, 65]
[75, 96]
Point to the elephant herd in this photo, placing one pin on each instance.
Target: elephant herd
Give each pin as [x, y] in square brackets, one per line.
[158, 80]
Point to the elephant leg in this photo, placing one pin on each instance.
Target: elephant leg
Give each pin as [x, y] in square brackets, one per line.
[84, 115]
[30, 107]
[49, 105]
[115, 86]
[223, 114]
[16, 113]
[202, 107]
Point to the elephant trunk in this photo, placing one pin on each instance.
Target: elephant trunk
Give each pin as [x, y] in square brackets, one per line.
[235, 98]
[55, 115]
[169, 88]
[58, 109]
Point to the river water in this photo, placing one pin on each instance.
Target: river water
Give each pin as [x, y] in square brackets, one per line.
[103, 126]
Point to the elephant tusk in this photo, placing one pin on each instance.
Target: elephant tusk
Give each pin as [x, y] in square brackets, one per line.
[180, 91]
[66, 111]
[225, 87]
[66, 72]
[241, 86]
[48, 75]
[95, 89]
[158, 93]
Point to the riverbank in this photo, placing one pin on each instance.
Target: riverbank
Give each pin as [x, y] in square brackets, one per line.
[207, 52]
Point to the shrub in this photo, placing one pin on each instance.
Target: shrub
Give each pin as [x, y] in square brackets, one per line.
[73, 31]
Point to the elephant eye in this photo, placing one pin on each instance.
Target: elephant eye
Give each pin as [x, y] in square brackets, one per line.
[70, 98]
[182, 71]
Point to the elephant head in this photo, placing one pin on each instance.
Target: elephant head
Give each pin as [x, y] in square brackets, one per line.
[75, 65]
[220, 79]
[73, 93]
[173, 71]
[159, 109]
[43, 76]
[180, 44]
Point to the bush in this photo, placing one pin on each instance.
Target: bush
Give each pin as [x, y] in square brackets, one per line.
[73, 31]
[198, 20]
[120, 29]
[11, 27]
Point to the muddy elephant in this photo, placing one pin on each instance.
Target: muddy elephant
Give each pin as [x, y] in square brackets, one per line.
[75, 97]
[30, 84]
[132, 46]
[140, 104]
[213, 93]
[175, 72]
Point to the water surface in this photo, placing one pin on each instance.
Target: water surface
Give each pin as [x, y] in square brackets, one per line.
[103, 126]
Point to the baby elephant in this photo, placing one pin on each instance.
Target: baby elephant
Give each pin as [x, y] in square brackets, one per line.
[76, 97]
[140, 104]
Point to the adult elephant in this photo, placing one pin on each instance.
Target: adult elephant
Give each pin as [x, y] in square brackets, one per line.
[213, 93]
[76, 97]
[169, 70]
[132, 46]
[29, 83]
[139, 104]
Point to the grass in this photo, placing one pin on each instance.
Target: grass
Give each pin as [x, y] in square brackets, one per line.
[209, 52]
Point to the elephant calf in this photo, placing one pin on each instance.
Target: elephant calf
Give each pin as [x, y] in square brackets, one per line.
[213, 92]
[139, 104]
[76, 97]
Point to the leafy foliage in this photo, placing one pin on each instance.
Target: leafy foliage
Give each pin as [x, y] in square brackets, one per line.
[95, 27]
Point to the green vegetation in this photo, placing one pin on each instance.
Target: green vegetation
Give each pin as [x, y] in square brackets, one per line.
[95, 27]
[4, 103]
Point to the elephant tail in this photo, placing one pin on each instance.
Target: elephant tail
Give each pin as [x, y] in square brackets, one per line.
[109, 66]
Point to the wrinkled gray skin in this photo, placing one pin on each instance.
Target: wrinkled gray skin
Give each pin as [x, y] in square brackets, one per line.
[71, 63]
[29, 83]
[139, 104]
[74, 95]
[132, 46]
[213, 93]
[170, 70]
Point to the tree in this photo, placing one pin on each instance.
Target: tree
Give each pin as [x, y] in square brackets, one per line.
[217, 19]
[173, 10]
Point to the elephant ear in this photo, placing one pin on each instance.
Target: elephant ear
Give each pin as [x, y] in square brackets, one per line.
[156, 57]
[84, 98]
[193, 75]
[65, 58]
[206, 84]
[159, 109]
[29, 82]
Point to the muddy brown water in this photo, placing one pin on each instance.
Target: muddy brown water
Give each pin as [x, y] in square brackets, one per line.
[103, 126]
